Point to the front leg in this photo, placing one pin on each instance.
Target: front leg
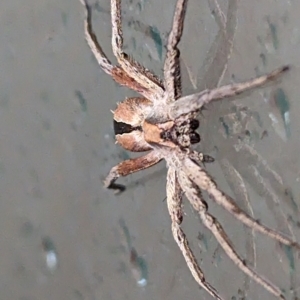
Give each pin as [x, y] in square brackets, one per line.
[130, 166]
[141, 75]
[195, 102]
[172, 64]
[117, 73]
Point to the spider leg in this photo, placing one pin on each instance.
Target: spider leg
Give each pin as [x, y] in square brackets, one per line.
[130, 166]
[118, 74]
[254, 159]
[195, 102]
[200, 177]
[92, 41]
[274, 189]
[132, 68]
[193, 194]
[199, 157]
[237, 185]
[172, 74]
[174, 201]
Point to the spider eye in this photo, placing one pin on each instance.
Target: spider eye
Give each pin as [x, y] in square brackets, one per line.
[195, 138]
[194, 123]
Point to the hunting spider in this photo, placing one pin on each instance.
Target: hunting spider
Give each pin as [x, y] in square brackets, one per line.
[164, 122]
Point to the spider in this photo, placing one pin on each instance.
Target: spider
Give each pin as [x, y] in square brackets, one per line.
[164, 123]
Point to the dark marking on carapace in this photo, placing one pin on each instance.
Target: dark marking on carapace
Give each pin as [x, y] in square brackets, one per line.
[120, 128]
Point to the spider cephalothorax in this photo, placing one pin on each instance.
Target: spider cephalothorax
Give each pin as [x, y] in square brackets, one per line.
[136, 133]
[163, 122]
[133, 135]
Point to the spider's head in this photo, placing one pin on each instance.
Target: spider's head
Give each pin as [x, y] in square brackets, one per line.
[128, 120]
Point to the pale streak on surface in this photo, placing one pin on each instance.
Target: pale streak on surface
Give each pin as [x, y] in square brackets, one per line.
[215, 64]
[238, 186]
[256, 162]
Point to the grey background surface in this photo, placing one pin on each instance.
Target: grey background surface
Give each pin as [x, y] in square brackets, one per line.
[57, 144]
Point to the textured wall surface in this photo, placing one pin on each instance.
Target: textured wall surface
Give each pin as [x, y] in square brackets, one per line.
[63, 236]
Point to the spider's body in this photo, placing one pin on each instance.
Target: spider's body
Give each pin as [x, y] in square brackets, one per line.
[164, 123]
[136, 133]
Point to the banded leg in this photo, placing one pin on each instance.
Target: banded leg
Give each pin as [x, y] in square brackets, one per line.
[130, 166]
[174, 201]
[119, 75]
[172, 75]
[193, 194]
[195, 102]
[206, 183]
[92, 41]
[131, 67]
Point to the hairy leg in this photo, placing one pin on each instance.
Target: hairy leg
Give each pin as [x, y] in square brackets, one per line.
[172, 80]
[174, 201]
[193, 194]
[118, 74]
[200, 177]
[130, 166]
[92, 41]
[131, 67]
[195, 102]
